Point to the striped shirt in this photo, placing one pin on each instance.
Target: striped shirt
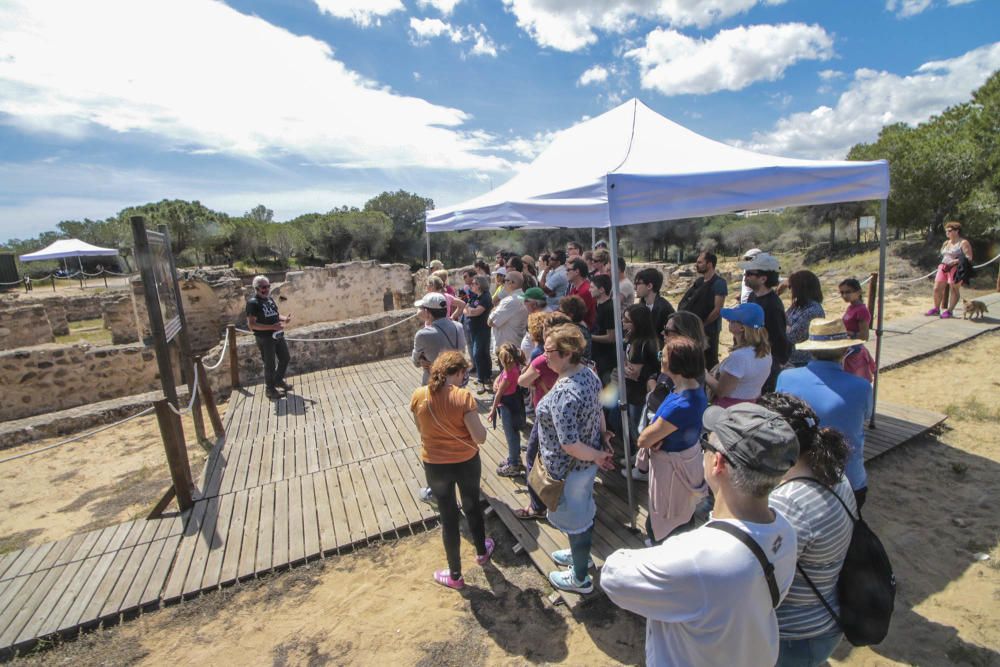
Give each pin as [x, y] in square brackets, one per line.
[824, 532]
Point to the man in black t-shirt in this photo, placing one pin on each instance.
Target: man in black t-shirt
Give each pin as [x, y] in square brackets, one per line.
[603, 337]
[761, 275]
[705, 298]
[647, 288]
[269, 332]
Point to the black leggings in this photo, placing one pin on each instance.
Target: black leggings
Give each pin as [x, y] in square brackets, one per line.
[442, 479]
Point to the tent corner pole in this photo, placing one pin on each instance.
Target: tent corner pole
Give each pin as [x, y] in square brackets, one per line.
[427, 235]
[616, 298]
[883, 245]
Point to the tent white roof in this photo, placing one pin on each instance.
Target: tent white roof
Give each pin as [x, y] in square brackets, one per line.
[632, 165]
[67, 248]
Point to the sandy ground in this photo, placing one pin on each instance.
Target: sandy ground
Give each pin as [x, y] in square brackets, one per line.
[933, 502]
[105, 479]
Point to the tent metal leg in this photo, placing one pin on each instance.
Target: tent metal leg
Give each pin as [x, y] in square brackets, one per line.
[427, 235]
[616, 298]
[883, 243]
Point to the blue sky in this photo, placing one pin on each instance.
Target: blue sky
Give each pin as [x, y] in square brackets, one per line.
[304, 105]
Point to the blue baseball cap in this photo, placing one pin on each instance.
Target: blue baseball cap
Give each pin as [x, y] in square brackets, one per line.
[748, 314]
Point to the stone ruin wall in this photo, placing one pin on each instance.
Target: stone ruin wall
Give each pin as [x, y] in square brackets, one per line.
[24, 326]
[119, 319]
[46, 378]
[344, 291]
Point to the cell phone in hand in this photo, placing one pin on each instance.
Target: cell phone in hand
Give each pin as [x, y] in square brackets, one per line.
[494, 421]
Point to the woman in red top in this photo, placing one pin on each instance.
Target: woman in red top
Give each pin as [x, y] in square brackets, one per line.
[858, 321]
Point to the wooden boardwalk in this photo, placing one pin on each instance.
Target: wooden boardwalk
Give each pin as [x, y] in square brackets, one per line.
[334, 465]
[911, 338]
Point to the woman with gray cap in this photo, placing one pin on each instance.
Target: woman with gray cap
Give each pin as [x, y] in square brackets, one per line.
[709, 595]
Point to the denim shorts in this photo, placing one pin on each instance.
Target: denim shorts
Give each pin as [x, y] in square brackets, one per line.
[810, 652]
[577, 508]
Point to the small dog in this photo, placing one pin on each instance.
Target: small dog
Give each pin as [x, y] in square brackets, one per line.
[974, 309]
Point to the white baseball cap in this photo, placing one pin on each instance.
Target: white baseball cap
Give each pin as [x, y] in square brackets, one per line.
[433, 300]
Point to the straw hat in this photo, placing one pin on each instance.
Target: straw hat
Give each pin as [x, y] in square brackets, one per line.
[828, 335]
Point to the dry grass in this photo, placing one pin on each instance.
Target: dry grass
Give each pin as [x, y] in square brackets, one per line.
[86, 331]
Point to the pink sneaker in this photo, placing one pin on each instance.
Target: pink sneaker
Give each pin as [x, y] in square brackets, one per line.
[443, 577]
[933, 312]
[485, 558]
[946, 315]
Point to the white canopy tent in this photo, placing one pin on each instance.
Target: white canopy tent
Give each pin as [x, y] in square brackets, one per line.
[65, 248]
[631, 165]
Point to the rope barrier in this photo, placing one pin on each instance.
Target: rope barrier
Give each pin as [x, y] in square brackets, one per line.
[912, 280]
[222, 356]
[194, 395]
[76, 437]
[979, 266]
[366, 333]
[329, 340]
[16, 282]
[866, 280]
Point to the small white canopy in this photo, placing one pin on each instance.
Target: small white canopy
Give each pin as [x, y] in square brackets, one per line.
[65, 248]
[631, 165]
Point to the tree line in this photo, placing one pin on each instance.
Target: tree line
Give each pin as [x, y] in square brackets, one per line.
[947, 167]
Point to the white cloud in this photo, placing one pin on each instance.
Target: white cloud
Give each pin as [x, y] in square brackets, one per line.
[830, 74]
[570, 25]
[596, 74]
[446, 7]
[907, 8]
[239, 86]
[528, 148]
[874, 99]
[423, 30]
[675, 64]
[363, 12]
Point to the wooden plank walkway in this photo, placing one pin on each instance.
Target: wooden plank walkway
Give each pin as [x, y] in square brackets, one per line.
[911, 338]
[334, 465]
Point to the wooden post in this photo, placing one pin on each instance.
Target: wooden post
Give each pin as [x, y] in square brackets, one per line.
[206, 391]
[198, 418]
[234, 357]
[52, 277]
[173, 443]
[872, 289]
[105, 274]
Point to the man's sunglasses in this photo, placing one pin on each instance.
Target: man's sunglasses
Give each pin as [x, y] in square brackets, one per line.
[263, 287]
[707, 446]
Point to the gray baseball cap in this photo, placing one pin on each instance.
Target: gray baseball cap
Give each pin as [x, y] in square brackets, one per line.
[754, 437]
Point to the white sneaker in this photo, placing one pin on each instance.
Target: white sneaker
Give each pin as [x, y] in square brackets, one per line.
[637, 475]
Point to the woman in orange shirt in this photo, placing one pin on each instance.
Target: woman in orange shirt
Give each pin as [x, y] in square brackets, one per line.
[450, 434]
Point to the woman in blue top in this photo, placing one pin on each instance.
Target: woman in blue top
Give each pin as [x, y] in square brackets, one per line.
[676, 473]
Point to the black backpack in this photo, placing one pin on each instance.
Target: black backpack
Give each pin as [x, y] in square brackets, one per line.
[866, 586]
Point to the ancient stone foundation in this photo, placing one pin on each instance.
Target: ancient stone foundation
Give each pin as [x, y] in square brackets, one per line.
[46, 378]
[24, 326]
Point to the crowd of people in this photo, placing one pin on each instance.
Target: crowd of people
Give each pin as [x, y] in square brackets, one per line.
[757, 442]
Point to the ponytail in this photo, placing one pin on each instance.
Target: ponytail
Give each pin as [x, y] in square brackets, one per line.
[447, 363]
[828, 455]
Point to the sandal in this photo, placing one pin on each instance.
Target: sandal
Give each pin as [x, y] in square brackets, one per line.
[528, 514]
[490, 545]
[443, 577]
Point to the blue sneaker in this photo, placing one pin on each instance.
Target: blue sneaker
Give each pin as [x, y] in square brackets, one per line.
[564, 557]
[565, 580]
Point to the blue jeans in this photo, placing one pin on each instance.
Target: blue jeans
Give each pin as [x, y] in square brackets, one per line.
[577, 508]
[634, 415]
[512, 433]
[810, 652]
[481, 355]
